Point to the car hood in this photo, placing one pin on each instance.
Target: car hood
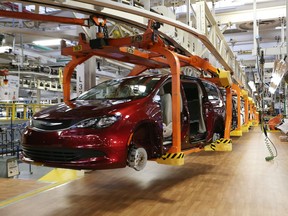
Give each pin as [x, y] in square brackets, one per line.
[80, 109]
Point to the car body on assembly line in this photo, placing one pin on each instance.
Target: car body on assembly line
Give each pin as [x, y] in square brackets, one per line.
[122, 122]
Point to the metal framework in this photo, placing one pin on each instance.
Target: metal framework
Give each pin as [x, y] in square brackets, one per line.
[210, 36]
[147, 51]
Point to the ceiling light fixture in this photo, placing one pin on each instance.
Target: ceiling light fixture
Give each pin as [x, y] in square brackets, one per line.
[252, 86]
[51, 42]
[5, 49]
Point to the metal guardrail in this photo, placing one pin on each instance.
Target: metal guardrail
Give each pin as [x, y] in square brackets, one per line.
[10, 138]
[13, 119]
[19, 111]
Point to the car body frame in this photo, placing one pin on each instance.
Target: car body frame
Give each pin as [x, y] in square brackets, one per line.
[106, 126]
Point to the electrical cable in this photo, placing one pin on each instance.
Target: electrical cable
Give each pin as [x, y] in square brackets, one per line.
[269, 147]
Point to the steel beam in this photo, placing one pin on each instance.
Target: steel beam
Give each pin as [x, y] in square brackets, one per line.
[124, 13]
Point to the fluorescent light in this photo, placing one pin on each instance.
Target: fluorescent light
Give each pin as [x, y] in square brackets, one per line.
[280, 27]
[5, 49]
[272, 90]
[252, 86]
[51, 42]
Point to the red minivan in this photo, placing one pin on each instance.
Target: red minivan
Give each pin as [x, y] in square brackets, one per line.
[122, 122]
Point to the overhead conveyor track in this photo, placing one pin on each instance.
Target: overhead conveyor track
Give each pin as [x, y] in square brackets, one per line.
[135, 16]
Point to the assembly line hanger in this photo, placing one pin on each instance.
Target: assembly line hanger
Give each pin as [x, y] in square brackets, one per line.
[150, 50]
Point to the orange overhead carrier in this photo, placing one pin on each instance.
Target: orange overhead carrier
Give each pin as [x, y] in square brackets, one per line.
[146, 51]
[47, 18]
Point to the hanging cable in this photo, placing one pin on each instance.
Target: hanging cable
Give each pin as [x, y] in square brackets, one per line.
[270, 146]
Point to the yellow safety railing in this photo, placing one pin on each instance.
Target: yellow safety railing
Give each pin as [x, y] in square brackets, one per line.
[19, 111]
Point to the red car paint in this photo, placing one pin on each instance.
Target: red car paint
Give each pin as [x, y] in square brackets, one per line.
[59, 135]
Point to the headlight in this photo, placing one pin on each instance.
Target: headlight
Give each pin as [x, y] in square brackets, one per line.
[106, 121]
[101, 122]
[86, 123]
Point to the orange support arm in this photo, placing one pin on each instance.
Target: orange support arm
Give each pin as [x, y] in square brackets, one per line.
[174, 63]
[68, 71]
[238, 92]
[228, 119]
[47, 18]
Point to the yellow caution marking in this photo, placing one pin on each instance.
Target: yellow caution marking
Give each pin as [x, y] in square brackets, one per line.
[57, 177]
[273, 131]
[236, 133]
[245, 128]
[77, 48]
[220, 145]
[224, 78]
[61, 175]
[175, 159]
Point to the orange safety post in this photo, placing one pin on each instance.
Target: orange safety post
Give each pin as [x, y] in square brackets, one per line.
[228, 119]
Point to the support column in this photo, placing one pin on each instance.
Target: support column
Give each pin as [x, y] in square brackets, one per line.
[38, 95]
[90, 73]
[80, 83]
[255, 29]
[59, 97]
[188, 16]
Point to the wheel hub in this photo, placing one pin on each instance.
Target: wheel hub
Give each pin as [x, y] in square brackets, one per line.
[137, 158]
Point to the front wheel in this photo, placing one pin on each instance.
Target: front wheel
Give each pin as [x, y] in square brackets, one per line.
[137, 158]
[216, 136]
[218, 133]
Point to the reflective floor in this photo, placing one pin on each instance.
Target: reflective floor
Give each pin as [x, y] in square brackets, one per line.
[236, 183]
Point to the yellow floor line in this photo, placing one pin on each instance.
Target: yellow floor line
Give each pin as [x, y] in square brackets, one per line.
[29, 194]
[57, 177]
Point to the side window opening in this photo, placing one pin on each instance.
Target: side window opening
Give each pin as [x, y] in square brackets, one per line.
[193, 94]
[211, 92]
[166, 108]
[165, 93]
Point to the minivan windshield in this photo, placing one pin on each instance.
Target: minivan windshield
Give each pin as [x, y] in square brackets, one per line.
[124, 88]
